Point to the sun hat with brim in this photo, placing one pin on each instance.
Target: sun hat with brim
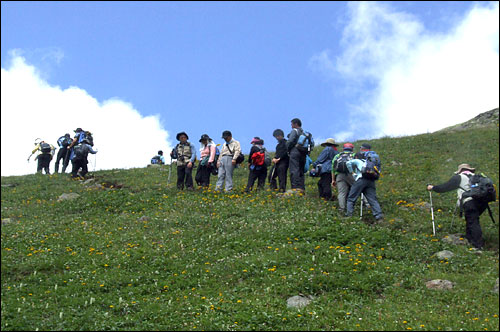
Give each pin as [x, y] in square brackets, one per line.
[204, 137]
[180, 134]
[329, 141]
[465, 167]
[255, 140]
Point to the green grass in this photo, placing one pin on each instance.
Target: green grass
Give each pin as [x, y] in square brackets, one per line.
[140, 255]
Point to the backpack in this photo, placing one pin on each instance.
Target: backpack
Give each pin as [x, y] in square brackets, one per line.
[267, 158]
[63, 141]
[305, 143]
[45, 148]
[217, 154]
[240, 158]
[371, 171]
[481, 189]
[340, 164]
[86, 135]
[156, 160]
[258, 158]
[79, 152]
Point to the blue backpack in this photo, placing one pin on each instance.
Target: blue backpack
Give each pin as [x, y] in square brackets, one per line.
[305, 143]
[371, 171]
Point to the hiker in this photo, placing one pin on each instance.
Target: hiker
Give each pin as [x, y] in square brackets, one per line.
[229, 158]
[280, 162]
[81, 151]
[257, 164]
[44, 156]
[364, 183]
[323, 166]
[63, 142]
[185, 154]
[341, 177]
[206, 164]
[297, 159]
[471, 207]
[80, 135]
[159, 159]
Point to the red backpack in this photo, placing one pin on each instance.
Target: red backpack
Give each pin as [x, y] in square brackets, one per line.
[258, 158]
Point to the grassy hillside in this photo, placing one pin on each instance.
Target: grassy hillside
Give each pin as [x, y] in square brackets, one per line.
[136, 254]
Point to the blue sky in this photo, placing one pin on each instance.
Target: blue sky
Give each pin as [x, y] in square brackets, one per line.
[348, 70]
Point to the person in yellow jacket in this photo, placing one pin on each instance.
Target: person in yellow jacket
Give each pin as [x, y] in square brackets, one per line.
[44, 156]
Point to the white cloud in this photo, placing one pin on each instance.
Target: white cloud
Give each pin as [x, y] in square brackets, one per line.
[33, 108]
[406, 80]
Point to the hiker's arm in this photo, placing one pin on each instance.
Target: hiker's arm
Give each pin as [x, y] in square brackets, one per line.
[323, 156]
[237, 152]
[212, 153]
[292, 140]
[73, 143]
[193, 153]
[452, 184]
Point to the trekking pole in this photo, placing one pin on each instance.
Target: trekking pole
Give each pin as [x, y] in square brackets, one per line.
[453, 217]
[169, 171]
[362, 198]
[95, 161]
[432, 214]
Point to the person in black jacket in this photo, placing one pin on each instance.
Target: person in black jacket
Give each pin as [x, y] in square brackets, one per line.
[256, 170]
[472, 208]
[297, 160]
[280, 161]
[63, 143]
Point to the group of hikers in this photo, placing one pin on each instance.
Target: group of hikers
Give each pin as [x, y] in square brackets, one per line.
[74, 149]
[354, 174]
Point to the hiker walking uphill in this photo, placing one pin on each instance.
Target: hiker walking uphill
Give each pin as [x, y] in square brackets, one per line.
[44, 156]
[63, 142]
[230, 156]
[341, 177]
[208, 151]
[79, 161]
[471, 204]
[324, 164]
[365, 169]
[280, 161]
[80, 135]
[185, 154]
[258, 160]
[296, 146]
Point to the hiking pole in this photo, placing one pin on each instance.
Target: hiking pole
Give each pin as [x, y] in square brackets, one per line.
[432, 214]
[362, 198]
[453, 217]
[169, 171]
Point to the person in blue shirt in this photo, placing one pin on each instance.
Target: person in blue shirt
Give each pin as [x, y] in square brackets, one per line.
[362, 185]
[323, 166]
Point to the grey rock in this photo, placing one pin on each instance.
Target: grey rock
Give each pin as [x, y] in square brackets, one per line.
[439, 284]
[69, 196]
[299, 301]
[6, 221]
[445, 254]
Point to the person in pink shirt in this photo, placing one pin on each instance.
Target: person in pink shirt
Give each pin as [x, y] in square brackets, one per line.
[206, 165]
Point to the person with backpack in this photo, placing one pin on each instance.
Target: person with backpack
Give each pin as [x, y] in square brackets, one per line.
[185, 154]
[258, 161]
[159, 159]
[297, 150]
[79, 161]
[208, 151]
[467, 184]
[323, 167]
[280, 161]
[45, 153]
[230, 156]
[362, 169]
[80, 135]
[63, 142]
[341, 178]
